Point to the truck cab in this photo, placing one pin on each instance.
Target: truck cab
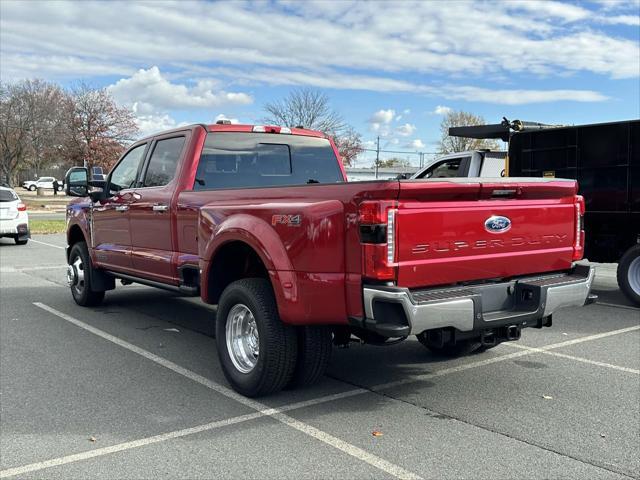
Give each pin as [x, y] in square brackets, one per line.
[472, 163]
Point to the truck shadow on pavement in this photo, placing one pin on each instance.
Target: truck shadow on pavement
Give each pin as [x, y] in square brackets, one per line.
[366, 365]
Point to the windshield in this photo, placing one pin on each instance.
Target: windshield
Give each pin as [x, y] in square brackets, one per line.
[237, 160]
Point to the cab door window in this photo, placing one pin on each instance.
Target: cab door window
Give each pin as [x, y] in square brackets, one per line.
[125, 174]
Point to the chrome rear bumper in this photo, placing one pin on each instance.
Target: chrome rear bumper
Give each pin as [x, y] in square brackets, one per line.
[524, 301]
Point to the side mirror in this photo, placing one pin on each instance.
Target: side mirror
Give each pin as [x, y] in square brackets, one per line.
[76, 182]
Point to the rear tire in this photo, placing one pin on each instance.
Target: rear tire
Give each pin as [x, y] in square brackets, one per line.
[247, 316]
[458, 349]
[629, 274]
[81, 291]
[21, 242]
[314, 353]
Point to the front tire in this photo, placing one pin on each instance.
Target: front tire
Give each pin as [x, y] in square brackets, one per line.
[79, 275]
[20, 241]
[629, 274]
[257, 351]
[32, 188]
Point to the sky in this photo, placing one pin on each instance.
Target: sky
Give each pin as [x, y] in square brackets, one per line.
[390, 68]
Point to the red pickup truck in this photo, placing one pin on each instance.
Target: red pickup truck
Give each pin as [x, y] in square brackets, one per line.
[261, 221]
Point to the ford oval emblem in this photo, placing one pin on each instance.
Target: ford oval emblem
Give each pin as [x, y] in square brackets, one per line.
[497, 224]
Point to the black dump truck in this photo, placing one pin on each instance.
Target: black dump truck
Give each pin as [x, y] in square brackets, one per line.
[605, 159]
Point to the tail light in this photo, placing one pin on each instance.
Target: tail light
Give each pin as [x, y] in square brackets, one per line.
[22, 207]
[578, 246]
[377, 222]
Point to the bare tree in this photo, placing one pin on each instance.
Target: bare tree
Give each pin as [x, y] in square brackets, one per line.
[311, 109]
[99, 129]
[15, 118]
[47, 104]
[307, 108]
[349, 144]
[449, 144]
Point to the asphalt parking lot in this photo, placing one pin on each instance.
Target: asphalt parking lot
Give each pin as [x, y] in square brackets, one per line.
[133, 389]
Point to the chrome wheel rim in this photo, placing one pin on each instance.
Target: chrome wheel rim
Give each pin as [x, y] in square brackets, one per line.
[634, 275]
[243, 341]
[75, 275]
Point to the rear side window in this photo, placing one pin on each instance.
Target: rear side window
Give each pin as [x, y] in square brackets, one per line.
[237, 160]
[445, 169]
[164, 161]
[7, 196]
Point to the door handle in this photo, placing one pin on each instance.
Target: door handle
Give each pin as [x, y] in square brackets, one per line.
[160, 208]
[122, 208]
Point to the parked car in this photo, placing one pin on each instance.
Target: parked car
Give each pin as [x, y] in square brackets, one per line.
[472, 163]
[42, 182]
[14, 219]
[261, 221]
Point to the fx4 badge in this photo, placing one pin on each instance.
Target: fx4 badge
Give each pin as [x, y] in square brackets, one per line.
[290, 220]
[497, 224]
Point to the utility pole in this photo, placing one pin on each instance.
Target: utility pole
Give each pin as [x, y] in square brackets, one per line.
[377, 156]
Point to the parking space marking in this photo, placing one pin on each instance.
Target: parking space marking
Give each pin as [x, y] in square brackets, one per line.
[31, 269]
[120, 447]
[617, 305]
[590, 338]
[501, 358]
[577, 359]
[356, 452]
[47, 244]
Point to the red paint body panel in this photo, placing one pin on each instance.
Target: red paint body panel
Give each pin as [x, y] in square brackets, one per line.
[316, 264]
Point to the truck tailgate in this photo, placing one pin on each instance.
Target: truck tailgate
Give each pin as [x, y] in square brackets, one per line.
[457, 231]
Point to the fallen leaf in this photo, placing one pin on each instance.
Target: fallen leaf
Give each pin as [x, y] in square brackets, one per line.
[376, 433]
[171, 330]
[603, 435]
[92, 439]
[547, 397]
[565, 333]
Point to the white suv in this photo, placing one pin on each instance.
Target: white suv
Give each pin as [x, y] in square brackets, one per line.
[14, 219]
[42, 182]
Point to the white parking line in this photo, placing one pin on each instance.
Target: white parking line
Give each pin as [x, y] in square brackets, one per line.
[356, 452]
[571, 357]
[31, 269]
[501, 358]
[277, 413]
[617, 305]
[47, 244]
[99, 452]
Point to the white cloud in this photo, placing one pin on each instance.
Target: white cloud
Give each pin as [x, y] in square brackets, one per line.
[222, 116]
[416, 144]
[526, 37]
[558, 10]
[440, 110]
[382, 116]
[405, 130]
[631, 20]
[150, 87]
